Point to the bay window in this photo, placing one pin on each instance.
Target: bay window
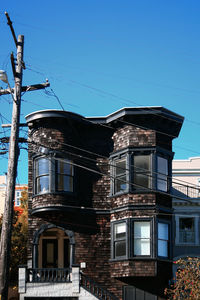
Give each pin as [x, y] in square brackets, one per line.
[137, 238]
[53, 175]
[139, 170]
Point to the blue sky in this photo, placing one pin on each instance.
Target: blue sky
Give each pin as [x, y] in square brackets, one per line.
[102, 55]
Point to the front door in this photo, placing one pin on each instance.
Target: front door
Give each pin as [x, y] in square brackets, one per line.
[49, 253]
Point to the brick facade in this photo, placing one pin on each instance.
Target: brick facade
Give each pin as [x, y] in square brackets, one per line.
[90, 211]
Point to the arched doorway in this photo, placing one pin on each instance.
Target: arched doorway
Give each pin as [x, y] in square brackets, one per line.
[53, 247]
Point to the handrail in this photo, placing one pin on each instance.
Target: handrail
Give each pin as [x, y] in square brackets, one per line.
[187, 190]
[48, 275]
[95, 289]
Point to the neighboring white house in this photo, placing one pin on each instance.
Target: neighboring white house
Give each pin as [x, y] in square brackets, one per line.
[186, 187]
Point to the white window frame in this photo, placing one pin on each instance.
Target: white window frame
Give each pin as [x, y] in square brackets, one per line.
[134, 239]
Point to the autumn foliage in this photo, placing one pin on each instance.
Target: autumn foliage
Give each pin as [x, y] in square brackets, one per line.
[18, 254]
[187, 282]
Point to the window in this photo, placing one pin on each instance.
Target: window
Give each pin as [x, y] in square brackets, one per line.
[64, 178]
[186, 230]
[120, 239]
[133, 238]
[162, 170]
[120, 175]
[133, 293]
[17, 198]
[142, 238]
[163, 239]
[142, 171]
[53, 175]
[134, 171]
[42, 175]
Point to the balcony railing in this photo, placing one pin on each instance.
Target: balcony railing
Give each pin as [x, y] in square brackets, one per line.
[186, 236]
[48, 275]
[96, 289]
[182, 190]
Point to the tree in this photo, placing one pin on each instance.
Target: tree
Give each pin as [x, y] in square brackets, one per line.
[19, 238]
[187, 282]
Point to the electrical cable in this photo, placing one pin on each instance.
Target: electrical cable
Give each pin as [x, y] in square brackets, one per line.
[112, 177]
[105, 157]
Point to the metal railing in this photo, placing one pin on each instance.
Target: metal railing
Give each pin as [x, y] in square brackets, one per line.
[186, 236]
[186, 190]
[95, 289]
[49, 275]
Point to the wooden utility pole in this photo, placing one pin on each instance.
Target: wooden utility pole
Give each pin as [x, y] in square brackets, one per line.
[6, 232]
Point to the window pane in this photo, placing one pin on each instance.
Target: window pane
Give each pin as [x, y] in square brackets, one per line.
[163, 231]
[42, 166]
[64, 168]
[142, 163]
[186, 223]
[120, 231]
[120, 248]
[186, 230]
[120, 184]
[142, 168]
[42, 184]
[162, 169]
[142, 229]
[120, 167]
[163, 248]
[141, 246]
[141, 180]
[65, 183]
[142, 238]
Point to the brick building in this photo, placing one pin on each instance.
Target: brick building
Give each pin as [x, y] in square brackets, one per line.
[100, 205]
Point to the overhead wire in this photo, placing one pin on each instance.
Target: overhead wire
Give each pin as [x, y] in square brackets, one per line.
[104, 157]
[110, 175]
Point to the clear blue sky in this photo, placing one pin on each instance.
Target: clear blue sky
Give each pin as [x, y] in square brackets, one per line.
[102, 55]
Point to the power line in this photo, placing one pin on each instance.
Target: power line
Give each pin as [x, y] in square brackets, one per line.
[54, 95]
[105, 157]
[109, 175]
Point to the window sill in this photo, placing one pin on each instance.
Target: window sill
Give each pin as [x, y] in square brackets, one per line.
[54, 193]
[149, 191]
[140, 258]
[187, 244]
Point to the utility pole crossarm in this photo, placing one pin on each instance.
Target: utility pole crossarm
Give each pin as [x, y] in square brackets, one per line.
[27, 88]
